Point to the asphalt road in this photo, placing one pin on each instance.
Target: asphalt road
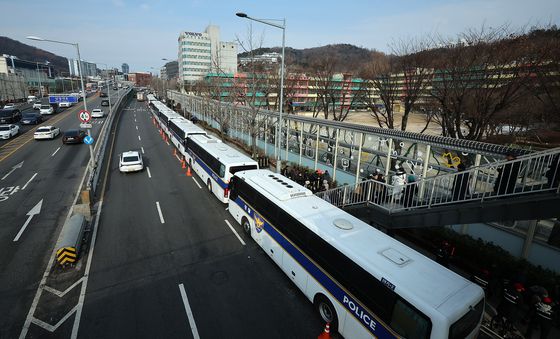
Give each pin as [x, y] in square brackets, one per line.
[31, 173]
[141, 258]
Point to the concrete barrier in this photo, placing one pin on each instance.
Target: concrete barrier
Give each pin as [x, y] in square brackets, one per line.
[70, 240]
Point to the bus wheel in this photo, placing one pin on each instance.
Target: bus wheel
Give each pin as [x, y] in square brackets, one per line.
[209, 184]
[246, 226]
[326, 311]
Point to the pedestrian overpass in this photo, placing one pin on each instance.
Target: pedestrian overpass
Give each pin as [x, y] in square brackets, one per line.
[478, 194]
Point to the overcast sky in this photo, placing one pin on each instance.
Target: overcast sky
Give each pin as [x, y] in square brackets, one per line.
[141, 33]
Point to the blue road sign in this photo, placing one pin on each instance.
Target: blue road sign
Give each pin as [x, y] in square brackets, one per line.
[58, 98]
[88, 140]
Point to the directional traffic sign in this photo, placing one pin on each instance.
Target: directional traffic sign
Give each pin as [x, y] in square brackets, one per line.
[84, 116]
[58, 98]
[88, 140]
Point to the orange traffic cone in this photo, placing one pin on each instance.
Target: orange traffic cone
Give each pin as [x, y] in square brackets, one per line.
[174, 152]
[183, 163]
[326, 333]
[189, 174]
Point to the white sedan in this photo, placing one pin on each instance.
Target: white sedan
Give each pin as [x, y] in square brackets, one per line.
[131, 161]
[37, 105]
[46, 132]
[64, 104]
[46, 109]
[8, 131]
[97, 113]
[6, 106]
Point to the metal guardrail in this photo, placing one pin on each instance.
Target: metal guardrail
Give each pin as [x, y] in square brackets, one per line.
[101, 144]
[462, 145]
[529, 174]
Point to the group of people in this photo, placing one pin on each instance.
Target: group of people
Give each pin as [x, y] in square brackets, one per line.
[316, 181]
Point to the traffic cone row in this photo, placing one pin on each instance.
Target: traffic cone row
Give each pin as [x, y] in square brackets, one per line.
[189, 174]
[326, 332]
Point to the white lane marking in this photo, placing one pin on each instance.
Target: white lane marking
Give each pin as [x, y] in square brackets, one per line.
[177, 156]
[188, 309]
[142, 150]
[136, 127]
[61, 294]
[35, 210]
[159, 212]
[80, 305]
[47, 271]
[50, 327]
[52, 155]
[196, 182]
[235, 232]
[20, 165]
[149, 173]
[139, 138]
[28, 181]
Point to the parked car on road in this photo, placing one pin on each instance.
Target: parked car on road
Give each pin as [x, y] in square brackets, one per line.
[46, 109]
[65, 104]
[31, 118]
[46, 132]
[10, 115]
[8, 131]
[73, 136]
[37, 104]
[131, 161]
[97, 113]
[9, 105]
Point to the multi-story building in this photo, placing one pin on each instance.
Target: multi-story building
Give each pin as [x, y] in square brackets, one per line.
[170, 70]
[140, 78]
[89, 69]
[203, 53]
[125, 68]
[38, 76]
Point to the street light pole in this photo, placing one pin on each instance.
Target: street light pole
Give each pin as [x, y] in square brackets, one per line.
[91, 161]
[39, 77]
[108, 89]
[279, 127]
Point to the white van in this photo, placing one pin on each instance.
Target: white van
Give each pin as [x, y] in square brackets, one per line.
[31, 99]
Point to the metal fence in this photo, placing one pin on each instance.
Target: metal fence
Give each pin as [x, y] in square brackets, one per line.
[348, 151]
[530, 174]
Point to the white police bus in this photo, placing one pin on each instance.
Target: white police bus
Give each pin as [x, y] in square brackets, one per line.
[215, 163]
[180, 130]
[365, 283]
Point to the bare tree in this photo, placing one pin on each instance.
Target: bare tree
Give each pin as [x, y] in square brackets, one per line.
[256, 89]
[383, 89]
[484, 74]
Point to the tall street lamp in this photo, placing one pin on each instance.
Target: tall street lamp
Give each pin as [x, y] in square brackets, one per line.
[108, 88]
[279, 127]
[91, 164]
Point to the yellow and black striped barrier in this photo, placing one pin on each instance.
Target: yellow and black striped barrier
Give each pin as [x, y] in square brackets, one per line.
[66, 255]
[70, 240]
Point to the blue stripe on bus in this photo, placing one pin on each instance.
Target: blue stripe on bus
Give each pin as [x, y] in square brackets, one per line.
[364, 317]
[207, 169]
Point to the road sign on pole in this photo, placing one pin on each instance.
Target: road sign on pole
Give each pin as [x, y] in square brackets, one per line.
[84, 116]
[88, 140]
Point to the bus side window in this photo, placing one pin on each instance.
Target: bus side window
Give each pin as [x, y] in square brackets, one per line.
[408, 322]
[222, 170]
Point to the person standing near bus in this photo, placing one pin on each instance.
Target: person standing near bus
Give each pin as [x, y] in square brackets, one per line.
[542, 316]
[507, 176]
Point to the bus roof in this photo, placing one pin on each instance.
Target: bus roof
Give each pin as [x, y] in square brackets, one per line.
[187, 127]
[417, 278]
[225, 153]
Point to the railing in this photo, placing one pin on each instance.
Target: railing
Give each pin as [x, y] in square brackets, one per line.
[538, 172]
